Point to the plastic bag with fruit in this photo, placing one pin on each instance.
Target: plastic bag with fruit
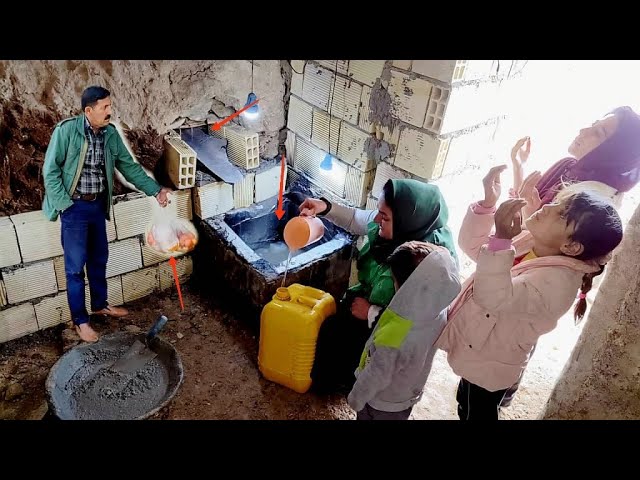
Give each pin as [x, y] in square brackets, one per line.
[168, 234]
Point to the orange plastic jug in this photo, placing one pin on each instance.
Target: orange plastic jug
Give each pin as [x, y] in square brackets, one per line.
[289, 326]
[302, 231]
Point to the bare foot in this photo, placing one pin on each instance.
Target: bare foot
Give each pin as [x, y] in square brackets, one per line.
[86, 333]
[112, 311]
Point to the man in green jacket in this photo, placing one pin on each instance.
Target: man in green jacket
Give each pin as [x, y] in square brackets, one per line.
[78, 178]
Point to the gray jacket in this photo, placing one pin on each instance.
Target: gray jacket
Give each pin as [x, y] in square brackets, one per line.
[397, 357]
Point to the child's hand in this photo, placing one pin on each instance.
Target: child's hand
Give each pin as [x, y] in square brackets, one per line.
[508, 218]
[520, 152]
[492, 188]
[360, 308]
[529, 192]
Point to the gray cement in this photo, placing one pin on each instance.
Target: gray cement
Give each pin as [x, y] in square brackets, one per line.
[82, 386]
[380, 106]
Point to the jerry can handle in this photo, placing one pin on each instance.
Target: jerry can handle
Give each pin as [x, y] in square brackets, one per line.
[314, 292]
[308, 301]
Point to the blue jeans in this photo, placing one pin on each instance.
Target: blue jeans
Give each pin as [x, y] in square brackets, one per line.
[84, 241]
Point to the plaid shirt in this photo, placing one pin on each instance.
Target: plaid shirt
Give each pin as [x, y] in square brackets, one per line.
[92, 178]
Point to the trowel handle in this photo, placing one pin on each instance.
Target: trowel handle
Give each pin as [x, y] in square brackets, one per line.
[155, 329]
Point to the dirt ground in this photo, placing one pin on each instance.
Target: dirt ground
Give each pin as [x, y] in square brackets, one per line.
[219, 353]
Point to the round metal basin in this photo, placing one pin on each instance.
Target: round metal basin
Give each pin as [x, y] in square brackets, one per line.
[81, 386]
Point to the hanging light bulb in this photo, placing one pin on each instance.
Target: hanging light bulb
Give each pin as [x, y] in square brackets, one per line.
[253, 111]
[327, 163]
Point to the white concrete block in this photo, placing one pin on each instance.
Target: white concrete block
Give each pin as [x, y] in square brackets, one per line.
[290, 146]
[184, 267]
[409, 98]
[139, 284]
[372, 203]
[296, 83]
[212, 199]
[345, 100]
[300, 118]
[243, 146]
[418, 153]
[124, 256]
[180, 162]
[9, 251]
[442, 70]
[307, 160]
[363, 115]
[243, 192]
[366, 71]
[180, 205]
[436, 108]
[342, 66]
[320, 134]
[30, 281]
[385, 172]
[403, 64]
[50, 311]
[317, 86]
[268, 182]
[38, 237]
[133, 212]
[357, 186]
[292, 177]
[17, 322]
[351, 147]
[3, 294]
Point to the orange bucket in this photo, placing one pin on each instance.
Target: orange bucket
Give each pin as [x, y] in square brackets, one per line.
[302, 231]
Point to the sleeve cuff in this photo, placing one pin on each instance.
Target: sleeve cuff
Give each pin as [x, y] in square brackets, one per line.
[480, 210]
[497, 244]
[374, 310]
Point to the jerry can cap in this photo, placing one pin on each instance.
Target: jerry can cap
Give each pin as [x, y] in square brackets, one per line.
[282, 293]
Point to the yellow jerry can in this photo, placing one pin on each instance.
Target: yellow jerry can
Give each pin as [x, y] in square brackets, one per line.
[289, 326]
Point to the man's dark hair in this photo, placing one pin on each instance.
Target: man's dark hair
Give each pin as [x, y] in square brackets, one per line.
[92, 94]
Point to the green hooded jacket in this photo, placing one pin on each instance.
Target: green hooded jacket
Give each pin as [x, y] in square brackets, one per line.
[419, 213]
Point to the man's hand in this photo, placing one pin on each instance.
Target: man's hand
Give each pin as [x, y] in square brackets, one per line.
[162, 196]
[360, 308]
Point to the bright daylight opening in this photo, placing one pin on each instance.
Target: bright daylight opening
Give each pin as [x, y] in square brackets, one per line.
[560, 98]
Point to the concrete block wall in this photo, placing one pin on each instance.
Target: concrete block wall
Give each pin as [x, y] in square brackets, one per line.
[437, 117]
[32, 281]
[212, 196]
[326, 116]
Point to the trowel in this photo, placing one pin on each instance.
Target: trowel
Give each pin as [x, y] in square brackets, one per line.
[139, 354]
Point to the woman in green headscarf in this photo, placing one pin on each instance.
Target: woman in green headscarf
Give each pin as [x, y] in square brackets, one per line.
[407, 210]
